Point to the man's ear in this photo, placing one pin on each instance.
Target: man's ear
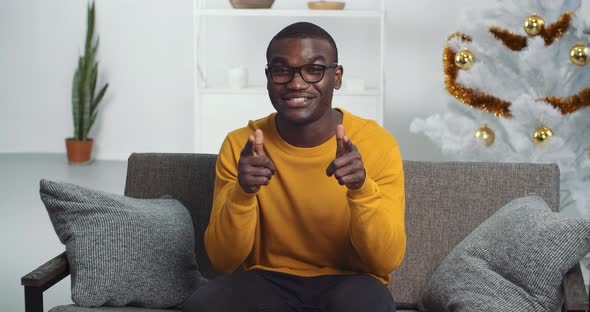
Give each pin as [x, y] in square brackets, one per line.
[338, 72]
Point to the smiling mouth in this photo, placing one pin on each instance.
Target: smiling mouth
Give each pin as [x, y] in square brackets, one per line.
[298, 102]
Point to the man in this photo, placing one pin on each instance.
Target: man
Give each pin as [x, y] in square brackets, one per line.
[309, 201]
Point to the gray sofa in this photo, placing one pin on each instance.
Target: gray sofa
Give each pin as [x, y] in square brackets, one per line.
[447, 195]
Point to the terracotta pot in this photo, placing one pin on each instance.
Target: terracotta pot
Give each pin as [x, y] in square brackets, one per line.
[78, 151]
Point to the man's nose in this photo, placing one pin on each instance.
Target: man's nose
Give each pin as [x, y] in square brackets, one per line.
[297, 82]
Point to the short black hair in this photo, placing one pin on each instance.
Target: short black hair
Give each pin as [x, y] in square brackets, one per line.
[303, 30]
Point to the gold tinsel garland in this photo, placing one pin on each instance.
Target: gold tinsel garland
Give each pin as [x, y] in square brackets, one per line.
[514, 42]
[462, 36]
[570, 104]
[557, 29]
[550, 33]
[492, 104]
[483, 101]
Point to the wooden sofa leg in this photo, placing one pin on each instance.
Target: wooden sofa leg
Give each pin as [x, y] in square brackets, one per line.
[33, 299]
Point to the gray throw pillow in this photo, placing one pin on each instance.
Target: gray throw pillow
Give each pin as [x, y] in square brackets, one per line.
[514, 261]
[122, 250]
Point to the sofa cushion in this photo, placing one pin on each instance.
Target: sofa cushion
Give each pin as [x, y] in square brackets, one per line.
[122, 250]
[75, 308]
[514, 261]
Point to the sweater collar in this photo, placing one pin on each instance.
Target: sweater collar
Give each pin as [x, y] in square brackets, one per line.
[328, 147]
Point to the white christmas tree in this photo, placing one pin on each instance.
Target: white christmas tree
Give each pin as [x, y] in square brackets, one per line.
[518, 78]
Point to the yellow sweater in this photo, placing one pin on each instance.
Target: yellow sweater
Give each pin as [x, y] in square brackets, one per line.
[304, 223]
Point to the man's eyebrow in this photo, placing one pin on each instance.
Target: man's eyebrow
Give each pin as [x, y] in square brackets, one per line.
[282, 60]
[317, 58]
[278, 59]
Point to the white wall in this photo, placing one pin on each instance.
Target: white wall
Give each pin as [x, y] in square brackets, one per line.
[146, 55]
[416, 34]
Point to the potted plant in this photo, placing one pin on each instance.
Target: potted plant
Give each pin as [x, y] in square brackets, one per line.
[84, 99]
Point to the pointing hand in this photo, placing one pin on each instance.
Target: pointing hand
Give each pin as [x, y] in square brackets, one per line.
[255, 169]
[348, 166]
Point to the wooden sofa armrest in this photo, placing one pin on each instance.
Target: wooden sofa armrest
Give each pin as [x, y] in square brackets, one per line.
[574, 291]
[41, 279]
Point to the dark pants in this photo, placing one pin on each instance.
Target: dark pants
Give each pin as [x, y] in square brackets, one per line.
[265, 291]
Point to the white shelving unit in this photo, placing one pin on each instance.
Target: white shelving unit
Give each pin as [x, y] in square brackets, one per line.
[225, 37]
[294, 12]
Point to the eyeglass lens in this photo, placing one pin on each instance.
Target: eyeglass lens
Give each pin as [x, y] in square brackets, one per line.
[311, 73]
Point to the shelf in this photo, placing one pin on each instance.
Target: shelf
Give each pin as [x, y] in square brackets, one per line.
[295, 13]
[263, 91]
[243, 29]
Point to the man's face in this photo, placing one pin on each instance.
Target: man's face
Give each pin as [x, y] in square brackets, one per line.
[297, 101]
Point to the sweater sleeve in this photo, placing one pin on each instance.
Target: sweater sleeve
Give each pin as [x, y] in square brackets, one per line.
[229, 237]
[377, 214]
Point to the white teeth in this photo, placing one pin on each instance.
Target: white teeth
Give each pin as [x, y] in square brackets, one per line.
[297, 100]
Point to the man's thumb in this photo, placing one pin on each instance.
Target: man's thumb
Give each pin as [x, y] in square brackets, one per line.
[258, 143]
[248, 149]
[339, 139]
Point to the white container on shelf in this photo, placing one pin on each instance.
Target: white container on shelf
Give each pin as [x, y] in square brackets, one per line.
[238, 77]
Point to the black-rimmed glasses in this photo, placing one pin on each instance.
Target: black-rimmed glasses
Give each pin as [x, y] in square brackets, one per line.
[311, 73]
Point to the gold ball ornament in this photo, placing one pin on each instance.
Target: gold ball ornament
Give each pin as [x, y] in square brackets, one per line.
[464, 59]
[485, 135]
[534, 24]
[579, 54]
[542, 135]
[588, 152]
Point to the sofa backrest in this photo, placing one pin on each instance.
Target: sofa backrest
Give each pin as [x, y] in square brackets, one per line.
[445, 201]
[188, 178]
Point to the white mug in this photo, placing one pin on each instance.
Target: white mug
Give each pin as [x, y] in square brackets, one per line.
[238, 77]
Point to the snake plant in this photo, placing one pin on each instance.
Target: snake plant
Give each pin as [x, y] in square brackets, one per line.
[84, 99]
